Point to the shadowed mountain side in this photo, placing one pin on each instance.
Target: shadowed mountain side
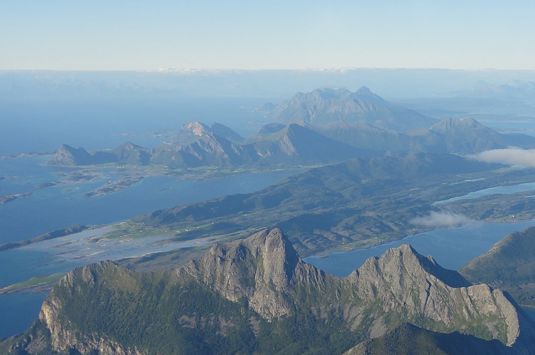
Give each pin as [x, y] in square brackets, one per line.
[510, 265]
[409, 339]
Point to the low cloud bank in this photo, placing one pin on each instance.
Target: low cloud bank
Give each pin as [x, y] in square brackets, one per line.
[508, 156]
[441, 219]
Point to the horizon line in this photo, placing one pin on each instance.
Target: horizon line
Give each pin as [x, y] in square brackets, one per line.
[172, 70]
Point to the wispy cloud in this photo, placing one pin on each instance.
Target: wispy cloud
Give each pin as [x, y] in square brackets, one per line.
[441, 219]
[508, 156]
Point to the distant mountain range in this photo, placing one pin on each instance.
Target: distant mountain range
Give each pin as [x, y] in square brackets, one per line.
[366, 121]
[322, 126]
[466, 136]
[257, 296]
[198, 145]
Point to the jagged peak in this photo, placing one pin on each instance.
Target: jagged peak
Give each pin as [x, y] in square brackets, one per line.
[268, 244]
[407, 258]
[272, 239]
[197, 128]
[260, 268]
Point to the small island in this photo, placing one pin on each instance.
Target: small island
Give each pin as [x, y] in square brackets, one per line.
[12, 197]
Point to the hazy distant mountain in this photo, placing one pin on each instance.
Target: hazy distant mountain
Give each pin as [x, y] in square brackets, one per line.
[365, 136]
[335, 107]
[467, 136]
[509, 264]
[258, 296]
[406, 83]
[226, 132]
[67, 155]
[197, 145]
[517, 90]
[366, 121]
[271, 128]
[451, 135]
[130, 153]
[277, 143]
[127, 153]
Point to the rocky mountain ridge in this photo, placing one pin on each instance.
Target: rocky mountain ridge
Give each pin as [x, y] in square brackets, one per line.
[256, 295]
[198, 145]
[322, 126]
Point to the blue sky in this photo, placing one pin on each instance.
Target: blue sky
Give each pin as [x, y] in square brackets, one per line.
[224, 34]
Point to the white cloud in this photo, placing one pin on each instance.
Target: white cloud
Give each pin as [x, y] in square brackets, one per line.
[508, 156]
[441, 219]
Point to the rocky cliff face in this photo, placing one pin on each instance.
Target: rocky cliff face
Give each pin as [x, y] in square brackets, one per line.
[250, 294]
[415, 289]
[259, 269]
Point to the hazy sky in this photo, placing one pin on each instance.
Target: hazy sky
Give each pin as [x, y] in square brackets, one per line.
[248, 34]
